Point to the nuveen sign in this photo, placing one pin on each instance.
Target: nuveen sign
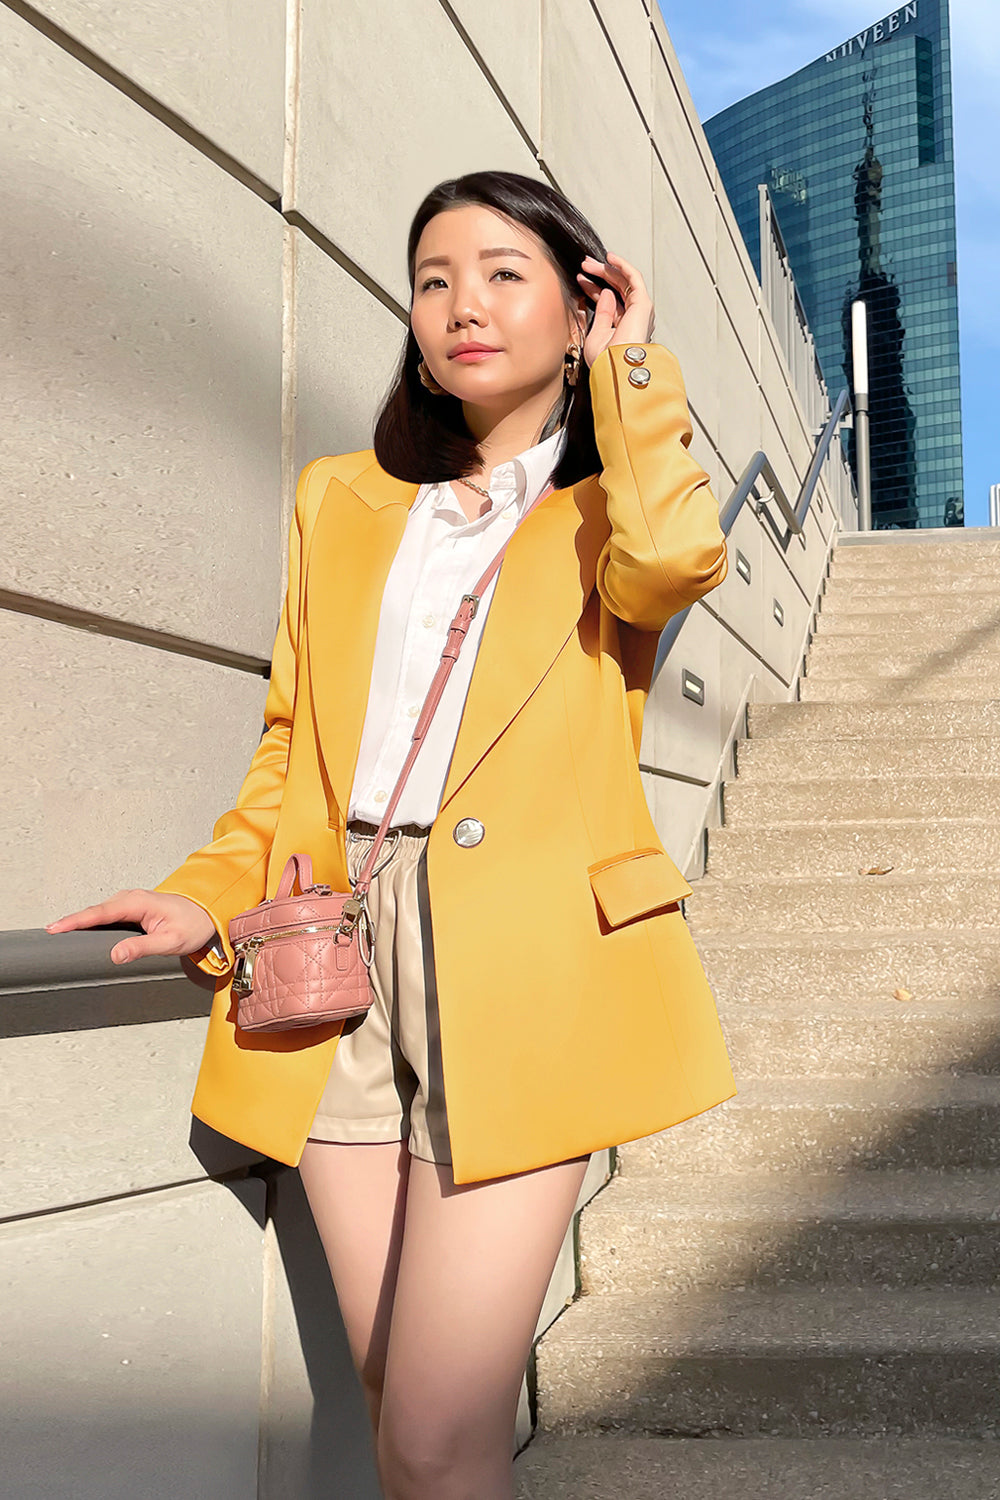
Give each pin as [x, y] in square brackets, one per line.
[880, 32]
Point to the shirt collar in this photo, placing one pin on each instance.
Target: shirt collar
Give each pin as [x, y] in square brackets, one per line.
[520, 479]
[528, 473]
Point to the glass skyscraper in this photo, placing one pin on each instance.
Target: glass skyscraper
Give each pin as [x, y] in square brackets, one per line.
[856, 151]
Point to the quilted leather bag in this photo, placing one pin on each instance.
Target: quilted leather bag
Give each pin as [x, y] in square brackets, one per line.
[304, 960]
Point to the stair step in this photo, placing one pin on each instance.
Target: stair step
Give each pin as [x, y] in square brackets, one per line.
[804, 1040]
[965, 559]
[921, 688]
[794, 1124]
[895, 755]
[910, 845]
[885, 592]
[845, 656]
[610, 1466]
[845, 800]
[853, 969]
[845, 903]
[898, 1229]
[800, 721]
[787, 1362]
[959, 623]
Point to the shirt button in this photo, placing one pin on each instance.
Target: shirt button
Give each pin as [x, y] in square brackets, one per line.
[381, 796]
[429, 620]
[413, 710]
[509, 511]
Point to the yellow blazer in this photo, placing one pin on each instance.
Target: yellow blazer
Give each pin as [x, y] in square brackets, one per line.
[574, 1009]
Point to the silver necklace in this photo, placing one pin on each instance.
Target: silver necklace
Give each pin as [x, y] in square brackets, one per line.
[477, 487]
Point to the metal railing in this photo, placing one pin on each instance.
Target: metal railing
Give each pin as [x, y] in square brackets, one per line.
[793, 514]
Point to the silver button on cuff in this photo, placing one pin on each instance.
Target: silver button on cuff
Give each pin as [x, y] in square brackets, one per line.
[635, 354]
[639, 377]
[468, 831]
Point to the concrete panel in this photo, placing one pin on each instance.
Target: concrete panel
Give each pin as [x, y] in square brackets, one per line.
[685, 300]
[120, 758]
[739, 296]
[66, 1098]
[314, 1423]
[173, 53]
[144, 287]
[508, 39]
[703, 450]
[347, 345]
[782, 644]
[376, 133]
[627, 25]
[739, 603]
[674, 115]
[739, 397]
[611, 186]
[131, 1348]
[820, 507]
[678, 812]
[562, 1283]
[679, 734]
[783, 403]
[811, 562]
[824, 506]
[739, 664]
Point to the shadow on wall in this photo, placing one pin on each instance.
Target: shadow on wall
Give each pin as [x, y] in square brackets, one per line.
[315, 1438]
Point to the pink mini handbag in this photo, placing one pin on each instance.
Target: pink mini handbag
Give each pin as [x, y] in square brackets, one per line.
[304, 960]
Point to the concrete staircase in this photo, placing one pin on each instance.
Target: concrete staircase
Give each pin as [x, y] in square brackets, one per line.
[796, 1293]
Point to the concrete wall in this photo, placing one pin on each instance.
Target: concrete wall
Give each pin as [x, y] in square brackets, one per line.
[205, 288]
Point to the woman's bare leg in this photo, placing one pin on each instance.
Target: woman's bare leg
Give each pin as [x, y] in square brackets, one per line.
[475, 1264]
[357, 1194]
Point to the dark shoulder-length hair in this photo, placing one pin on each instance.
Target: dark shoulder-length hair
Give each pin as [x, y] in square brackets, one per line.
[423, 438]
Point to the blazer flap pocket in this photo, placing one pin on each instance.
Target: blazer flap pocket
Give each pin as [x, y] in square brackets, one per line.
[635, 882]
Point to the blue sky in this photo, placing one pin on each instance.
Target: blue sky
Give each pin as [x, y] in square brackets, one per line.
[728, 49]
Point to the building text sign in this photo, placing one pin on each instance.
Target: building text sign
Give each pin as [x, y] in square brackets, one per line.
[880, 32]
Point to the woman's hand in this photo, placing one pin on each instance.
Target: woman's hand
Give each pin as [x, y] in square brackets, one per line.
[173, 923]
[635, 324]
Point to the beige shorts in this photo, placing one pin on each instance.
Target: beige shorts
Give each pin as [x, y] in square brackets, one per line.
[386, 1081]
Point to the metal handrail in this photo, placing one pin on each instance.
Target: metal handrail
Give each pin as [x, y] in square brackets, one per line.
[794, 516]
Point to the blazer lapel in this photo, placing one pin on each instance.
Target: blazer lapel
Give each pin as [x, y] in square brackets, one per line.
[357, 533]
[545, 578]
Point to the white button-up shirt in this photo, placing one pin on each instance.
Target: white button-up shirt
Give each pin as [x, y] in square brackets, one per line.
[439, 559]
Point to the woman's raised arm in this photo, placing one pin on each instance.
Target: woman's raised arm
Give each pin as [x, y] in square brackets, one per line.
[666, 547]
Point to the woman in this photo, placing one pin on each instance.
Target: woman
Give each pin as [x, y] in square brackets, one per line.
[538, 993]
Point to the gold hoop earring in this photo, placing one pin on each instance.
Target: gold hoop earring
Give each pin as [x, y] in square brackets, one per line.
[571, 359]
[427, 380]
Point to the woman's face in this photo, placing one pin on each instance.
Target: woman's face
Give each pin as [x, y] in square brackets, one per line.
[481, 278]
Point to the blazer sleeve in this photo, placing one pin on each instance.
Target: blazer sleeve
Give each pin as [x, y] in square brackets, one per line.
[228, 875]
[666, 547]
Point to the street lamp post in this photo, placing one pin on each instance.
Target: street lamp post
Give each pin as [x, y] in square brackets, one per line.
[859, 355]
